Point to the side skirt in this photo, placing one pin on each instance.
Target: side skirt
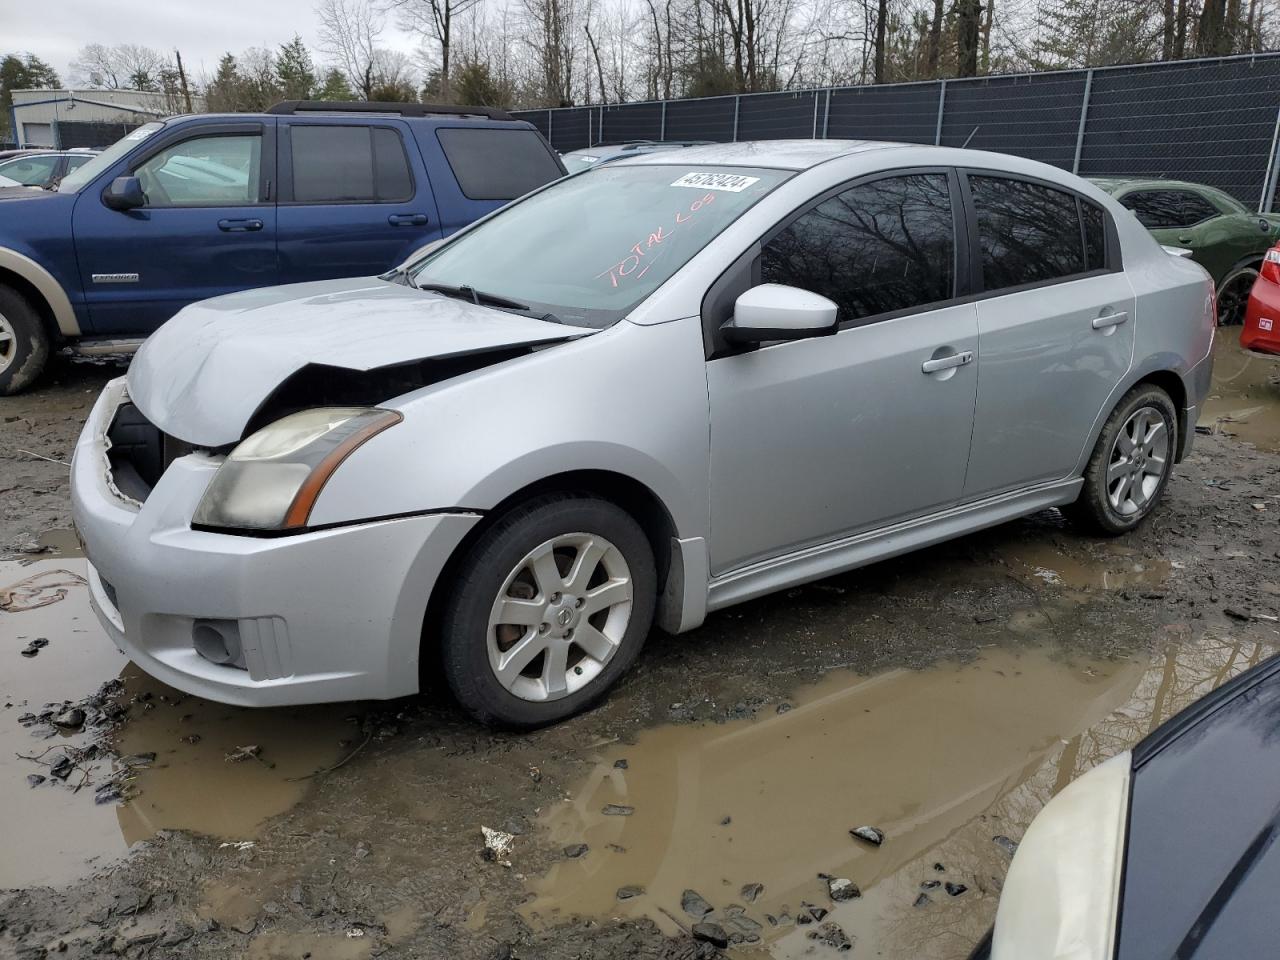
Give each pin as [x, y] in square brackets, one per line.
[848, 553]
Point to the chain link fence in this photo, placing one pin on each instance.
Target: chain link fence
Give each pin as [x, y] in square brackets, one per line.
[1211, 121]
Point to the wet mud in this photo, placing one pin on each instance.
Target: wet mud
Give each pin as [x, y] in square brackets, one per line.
[942, 698]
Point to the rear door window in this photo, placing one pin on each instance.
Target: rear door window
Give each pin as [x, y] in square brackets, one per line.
[880, 247]
[1168, 209]
[348, 164]
[1027, 233]
[494, 164]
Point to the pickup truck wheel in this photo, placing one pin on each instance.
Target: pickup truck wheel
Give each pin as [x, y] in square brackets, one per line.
[1131, 463]
[552, 605]
[24, 343]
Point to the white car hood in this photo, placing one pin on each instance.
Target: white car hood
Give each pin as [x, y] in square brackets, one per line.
[203, 375]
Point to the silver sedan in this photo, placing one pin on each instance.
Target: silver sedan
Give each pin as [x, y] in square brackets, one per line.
[634, 397]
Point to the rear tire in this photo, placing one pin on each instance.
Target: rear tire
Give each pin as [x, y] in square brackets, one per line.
[1131, 463]
[24, 343]
[552, 604]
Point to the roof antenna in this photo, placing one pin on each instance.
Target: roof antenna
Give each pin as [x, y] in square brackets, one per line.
[970, 137]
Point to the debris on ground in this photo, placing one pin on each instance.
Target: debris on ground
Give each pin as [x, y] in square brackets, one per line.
[617, 810]
[841, 889]
[711, 933]
[497, 845]
[1004, 843]
[694, 904]
[575, 850]
[630, 892]
[830, 935]
[872, 835]
[750, 891]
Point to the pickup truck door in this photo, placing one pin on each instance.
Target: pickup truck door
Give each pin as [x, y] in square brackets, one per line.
[208, 226]
[354, 201]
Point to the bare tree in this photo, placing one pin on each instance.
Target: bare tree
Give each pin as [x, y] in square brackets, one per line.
[125, 66]
[349, 32]
[436, 21]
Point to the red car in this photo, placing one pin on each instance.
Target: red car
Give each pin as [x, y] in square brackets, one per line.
[1262, 316]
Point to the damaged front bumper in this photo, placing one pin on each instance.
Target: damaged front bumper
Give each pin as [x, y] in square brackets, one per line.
[334, 614]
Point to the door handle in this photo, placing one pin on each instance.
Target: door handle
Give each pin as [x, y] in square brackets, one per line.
[1109, 320]
[407, 219]
[946, 363]
[239, 226]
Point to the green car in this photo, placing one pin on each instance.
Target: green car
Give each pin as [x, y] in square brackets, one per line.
[1223, 236]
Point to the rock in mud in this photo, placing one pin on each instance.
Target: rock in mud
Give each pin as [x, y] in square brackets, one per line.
[72, 719]
[923, 900]
[832, 936]
[62, 767]
[955, 889]
[711, 933]
[617, 810]
[34, 647]
[814, 911]
[575, 850]
[930, 884]
[871, 835]
[940, 868]
[841, 889]
[630, 892]
[620, 764]
[34, 779]
[750, 891]
[694, 904]
[1004, 843]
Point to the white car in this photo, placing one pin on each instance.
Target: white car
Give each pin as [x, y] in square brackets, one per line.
[637, 395]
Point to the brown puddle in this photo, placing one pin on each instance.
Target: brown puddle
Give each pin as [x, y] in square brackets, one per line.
[1038, 562]
[55, 834]
[1245, 397]
[941, 760]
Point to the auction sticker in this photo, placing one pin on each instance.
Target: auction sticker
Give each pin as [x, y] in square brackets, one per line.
[729, 182]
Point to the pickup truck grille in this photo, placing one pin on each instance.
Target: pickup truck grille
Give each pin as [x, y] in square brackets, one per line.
[140, 452]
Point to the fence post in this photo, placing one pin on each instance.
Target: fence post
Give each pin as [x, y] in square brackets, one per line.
[826, 115]
[549, 127]
[737, 102]
[942, 102]
[663, 135]
[1084, 117]
[815, 115]
[1269, 178]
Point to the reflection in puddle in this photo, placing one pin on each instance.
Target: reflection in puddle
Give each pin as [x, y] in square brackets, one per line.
[1245, 397]
[942, 760]
[1039, 560]
[54, 833]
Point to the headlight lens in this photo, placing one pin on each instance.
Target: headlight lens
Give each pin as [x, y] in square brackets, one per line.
[271, 480]
[1062, 894]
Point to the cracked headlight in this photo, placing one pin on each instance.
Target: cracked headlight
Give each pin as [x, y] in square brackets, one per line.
[271, 480]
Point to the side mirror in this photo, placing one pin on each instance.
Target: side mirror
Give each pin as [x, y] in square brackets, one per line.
[773, 311]
[125, 193]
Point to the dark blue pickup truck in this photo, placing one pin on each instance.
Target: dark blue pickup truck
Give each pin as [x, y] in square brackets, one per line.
[197, 206]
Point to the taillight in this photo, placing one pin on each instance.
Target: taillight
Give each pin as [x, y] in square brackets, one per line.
[1271, 265]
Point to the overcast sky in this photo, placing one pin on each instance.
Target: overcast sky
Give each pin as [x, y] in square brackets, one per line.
[203, 30]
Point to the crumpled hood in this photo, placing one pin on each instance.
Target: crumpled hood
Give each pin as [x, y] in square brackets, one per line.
[203, 375]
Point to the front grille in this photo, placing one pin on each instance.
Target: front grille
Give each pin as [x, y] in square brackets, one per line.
[140, 452]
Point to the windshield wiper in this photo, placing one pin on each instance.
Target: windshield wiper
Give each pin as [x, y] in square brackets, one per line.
[399, 275]
[477, 297]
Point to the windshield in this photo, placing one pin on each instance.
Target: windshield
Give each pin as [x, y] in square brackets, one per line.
[76, 179]
[589, 248]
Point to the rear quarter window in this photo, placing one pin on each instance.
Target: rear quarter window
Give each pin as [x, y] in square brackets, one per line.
[492, 164]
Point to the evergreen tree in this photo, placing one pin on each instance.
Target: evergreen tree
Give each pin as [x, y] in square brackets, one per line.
[334, 87]
[226, 92]
[295, 73]
[21, 72]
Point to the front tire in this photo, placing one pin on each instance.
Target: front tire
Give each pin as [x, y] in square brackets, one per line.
[551, 606]
[24, 343]
[1233, 295]
[1131, 463]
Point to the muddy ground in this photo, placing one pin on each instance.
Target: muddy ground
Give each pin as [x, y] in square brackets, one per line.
[942, 697]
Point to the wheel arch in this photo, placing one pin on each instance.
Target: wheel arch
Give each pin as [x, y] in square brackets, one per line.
[625, 492]
[1160, 372]
[44, 292]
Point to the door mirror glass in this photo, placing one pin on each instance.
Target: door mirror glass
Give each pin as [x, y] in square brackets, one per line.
[773, 311]
[125, 193]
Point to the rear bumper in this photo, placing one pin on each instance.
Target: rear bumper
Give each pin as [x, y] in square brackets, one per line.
[330, 615]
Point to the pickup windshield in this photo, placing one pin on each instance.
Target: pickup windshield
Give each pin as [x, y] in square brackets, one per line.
[590, 248]
[76, 179]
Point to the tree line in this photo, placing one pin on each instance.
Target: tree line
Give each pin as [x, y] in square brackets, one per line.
[539, 53]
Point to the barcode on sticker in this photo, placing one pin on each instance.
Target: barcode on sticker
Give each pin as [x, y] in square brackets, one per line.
[730, 182]
[1264, 323]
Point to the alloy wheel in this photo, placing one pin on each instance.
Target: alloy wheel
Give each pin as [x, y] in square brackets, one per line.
[8, 343]
[559, 617]
[1233, 297]
[1139, 459]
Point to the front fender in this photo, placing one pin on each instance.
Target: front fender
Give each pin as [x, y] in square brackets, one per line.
[46, 285]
